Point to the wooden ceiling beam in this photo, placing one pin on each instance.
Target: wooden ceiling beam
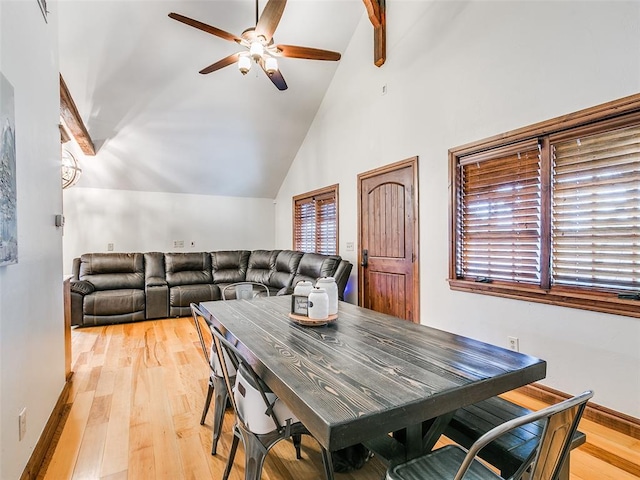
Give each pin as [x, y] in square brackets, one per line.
[73, 122]
[377, 15]
[373, 10]
[64, 136]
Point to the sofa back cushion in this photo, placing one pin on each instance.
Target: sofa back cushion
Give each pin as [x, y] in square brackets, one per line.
[313, 266]
[113, 271]
[188, 268]
[154, 272]
[286, 267]
[229, 266]
[262, 263]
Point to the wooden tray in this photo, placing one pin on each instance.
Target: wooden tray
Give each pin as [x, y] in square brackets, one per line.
[310, 322]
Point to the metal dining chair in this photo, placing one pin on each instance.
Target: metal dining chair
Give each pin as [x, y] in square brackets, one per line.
[545, 462]
[244, 291]
[262, 419]
[216, 379]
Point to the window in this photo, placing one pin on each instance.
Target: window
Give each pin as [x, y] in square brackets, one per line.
[551, 212]
[315, 221]
[500, 216]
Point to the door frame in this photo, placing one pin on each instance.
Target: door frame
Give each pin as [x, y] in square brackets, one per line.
[409, 162]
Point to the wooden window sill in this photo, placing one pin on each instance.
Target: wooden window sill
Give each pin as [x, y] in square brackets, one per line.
[560, 296]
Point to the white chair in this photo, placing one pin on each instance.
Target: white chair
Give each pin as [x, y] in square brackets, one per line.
[244, 291]
[545, 462]
[262, 419]
[216, 379]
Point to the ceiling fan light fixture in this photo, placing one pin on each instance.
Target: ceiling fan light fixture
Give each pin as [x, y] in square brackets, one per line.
[270, 65]
[256, 51]
[258, 44]
[244, 64]
[70, 169]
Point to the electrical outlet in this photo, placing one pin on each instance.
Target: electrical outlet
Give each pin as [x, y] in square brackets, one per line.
[22, 424]
[349, 246]
[513, 343]
[178, 244]
[109, 247]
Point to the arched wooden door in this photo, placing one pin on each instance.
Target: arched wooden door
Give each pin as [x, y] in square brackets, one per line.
[388, 240]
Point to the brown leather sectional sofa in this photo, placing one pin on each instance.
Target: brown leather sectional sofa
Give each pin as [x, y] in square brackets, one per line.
[127, 287]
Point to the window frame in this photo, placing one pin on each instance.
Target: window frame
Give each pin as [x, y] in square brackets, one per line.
[307, 197]
[617, 113]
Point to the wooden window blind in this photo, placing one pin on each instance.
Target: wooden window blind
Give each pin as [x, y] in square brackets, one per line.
[596, 210]
[551, 212]
[499, 215]
[315, 221]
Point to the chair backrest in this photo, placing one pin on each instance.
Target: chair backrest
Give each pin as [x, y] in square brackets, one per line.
[207, 344]
[244, 290]
[561, 422]
[251, 401]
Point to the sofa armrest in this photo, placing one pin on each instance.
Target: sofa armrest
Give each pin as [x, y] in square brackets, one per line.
[77, 314]
[82, 287]
[342, 277]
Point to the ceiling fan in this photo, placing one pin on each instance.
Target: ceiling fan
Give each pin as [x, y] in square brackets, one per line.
[258, 43]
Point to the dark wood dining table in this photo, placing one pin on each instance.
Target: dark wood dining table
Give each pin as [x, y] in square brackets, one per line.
[369, 374]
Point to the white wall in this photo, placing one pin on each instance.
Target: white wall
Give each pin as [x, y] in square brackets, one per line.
[151, 221]
[31, 317]
[458, 72]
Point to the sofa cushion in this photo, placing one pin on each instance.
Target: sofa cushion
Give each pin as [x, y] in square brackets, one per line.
[262, 263]
[286, 266]
[154, 270]
[313, 266]
[229, 266]
[184, 295]
[114, 302]
[113, 271]
[188, 268]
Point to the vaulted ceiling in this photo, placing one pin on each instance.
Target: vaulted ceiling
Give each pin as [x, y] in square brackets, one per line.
[158, 125]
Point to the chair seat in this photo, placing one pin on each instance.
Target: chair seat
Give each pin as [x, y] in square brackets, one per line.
[508, 451]
[441, 464]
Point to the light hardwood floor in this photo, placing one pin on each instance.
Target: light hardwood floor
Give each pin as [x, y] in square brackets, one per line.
[135, 404]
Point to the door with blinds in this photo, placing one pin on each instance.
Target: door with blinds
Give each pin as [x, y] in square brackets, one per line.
[388, 232]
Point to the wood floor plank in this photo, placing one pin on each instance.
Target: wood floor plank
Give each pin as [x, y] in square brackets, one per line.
[64, 458]
[165, 442]
[141, 461]
[116, 449]
[138, 391]
[193, 457]
[91, 450]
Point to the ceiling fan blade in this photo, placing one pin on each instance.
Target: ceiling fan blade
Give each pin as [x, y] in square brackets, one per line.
[205, 28]
[270, 18]
[221, 63]
[276, 77]
[294, 51]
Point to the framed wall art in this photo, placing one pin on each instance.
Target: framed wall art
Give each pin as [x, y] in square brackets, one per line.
[8, 194]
